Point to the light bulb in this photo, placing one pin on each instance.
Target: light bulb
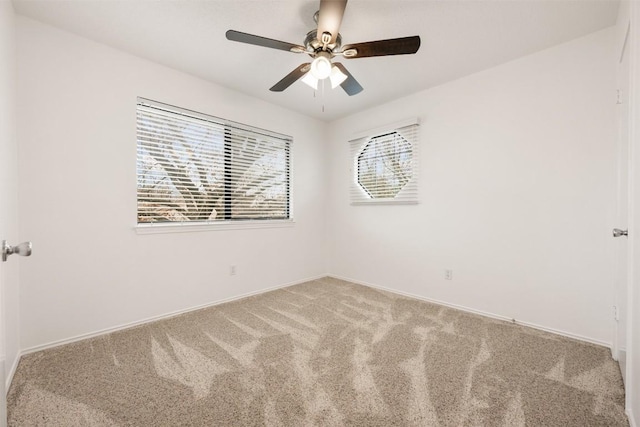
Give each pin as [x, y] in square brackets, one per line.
[337, 77]
[321, 66]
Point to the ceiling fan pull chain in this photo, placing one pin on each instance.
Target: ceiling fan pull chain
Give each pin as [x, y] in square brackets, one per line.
[323, 95]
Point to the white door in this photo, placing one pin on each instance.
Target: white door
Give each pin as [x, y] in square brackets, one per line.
[3, 394]
[621, 271]
[5, 270]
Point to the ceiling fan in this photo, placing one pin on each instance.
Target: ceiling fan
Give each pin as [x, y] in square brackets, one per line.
[325, 43]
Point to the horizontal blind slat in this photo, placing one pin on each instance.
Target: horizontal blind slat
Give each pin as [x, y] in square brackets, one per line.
[191, 166]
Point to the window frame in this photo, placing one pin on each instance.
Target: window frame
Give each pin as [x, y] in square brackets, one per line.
[228, 222]
[408, 194]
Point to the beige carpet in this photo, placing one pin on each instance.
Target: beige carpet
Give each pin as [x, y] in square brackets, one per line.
[323, 353]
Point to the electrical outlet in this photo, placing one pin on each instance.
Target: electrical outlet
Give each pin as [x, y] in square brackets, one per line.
[448, 275]
[232, 270]
[616, 316]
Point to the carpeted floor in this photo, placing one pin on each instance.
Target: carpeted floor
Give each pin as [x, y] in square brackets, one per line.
[323, 353]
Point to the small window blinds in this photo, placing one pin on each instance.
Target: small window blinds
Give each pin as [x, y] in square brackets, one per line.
[194, 168]
[385, 165]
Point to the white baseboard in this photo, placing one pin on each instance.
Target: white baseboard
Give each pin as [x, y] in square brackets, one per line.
[480, 312]
[632, 421]
[81, 337]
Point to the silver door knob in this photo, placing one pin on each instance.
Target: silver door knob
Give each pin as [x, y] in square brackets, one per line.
[23, 249]
[617, 232]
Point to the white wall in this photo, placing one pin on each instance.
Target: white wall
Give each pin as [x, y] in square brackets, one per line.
[77, 133]
[516, 193]
[9, 342]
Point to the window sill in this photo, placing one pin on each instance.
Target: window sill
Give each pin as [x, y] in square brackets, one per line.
[213, 226]
[384, 202]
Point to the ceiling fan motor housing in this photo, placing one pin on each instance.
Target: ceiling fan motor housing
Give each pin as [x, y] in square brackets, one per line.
[312, 43]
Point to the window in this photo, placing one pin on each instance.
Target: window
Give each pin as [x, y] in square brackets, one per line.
[195, 169]
[385, 165]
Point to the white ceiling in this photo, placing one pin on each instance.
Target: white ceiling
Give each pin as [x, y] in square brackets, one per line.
[458, 38]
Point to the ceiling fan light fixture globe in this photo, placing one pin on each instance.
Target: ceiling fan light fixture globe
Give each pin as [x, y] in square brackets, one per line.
[321, 66]
[337, 77]
[310, 81]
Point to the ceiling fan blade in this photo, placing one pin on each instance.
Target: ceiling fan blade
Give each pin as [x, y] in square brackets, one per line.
[330, 17]
[291, 78]
[350, 85]
[238, 36]
[401, 46]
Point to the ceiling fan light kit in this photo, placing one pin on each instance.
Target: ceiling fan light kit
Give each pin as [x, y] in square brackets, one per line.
[325, 47]
[321, 66]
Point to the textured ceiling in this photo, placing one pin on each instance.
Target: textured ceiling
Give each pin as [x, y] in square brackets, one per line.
[458, 38]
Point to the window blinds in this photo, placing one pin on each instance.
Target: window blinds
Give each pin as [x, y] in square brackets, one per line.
[194, 168]
[385, 166]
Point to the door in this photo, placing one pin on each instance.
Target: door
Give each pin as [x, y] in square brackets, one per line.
[621, 244]
[3, 394]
